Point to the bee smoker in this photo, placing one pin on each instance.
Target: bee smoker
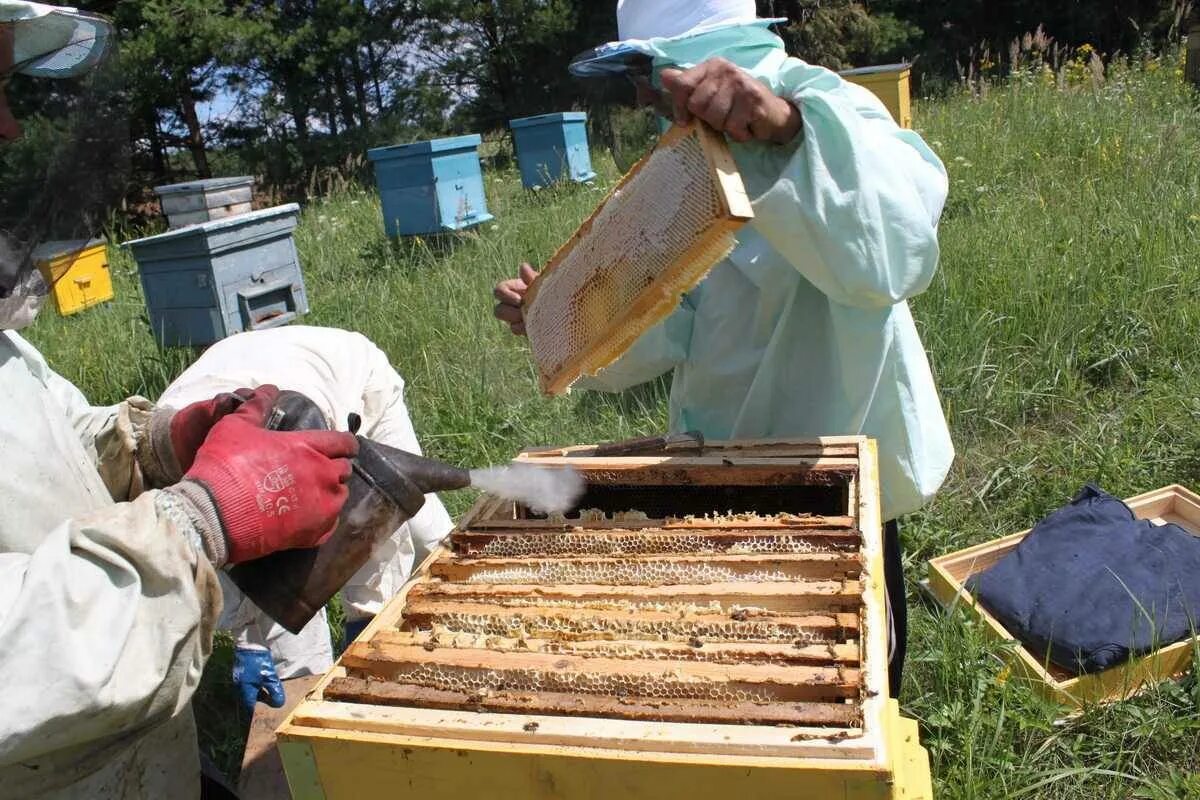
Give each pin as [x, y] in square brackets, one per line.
[386, 488]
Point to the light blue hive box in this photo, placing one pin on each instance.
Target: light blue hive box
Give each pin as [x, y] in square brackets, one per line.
[430, 187]
[204, 282]
[552, 148]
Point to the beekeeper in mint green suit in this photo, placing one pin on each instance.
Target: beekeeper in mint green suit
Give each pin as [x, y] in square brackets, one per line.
[805, 328]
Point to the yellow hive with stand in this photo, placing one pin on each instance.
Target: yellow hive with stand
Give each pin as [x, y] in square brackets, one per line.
[77, 273]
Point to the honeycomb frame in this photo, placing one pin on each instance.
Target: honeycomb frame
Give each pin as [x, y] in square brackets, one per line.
[673, 216]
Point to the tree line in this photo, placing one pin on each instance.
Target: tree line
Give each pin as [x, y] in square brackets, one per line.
[280, 88]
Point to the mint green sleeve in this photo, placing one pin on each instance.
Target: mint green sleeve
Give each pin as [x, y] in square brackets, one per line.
[656, 352]
[853, 205]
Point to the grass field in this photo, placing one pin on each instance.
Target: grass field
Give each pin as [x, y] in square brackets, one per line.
[1063, 328]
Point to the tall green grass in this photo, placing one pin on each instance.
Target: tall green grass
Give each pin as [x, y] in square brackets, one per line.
[1062, 328]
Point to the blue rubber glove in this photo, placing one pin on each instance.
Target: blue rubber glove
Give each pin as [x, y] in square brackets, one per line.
[255, 678]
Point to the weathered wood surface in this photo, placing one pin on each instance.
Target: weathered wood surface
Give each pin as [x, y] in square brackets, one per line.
[599, 675]
[793, 596]
[791, 566]
[575, 623]
[695, 650]
[359, 690]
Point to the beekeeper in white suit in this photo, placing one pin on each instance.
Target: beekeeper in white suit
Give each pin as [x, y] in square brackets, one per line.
[805, 328]
[108, 588]
[343, 373]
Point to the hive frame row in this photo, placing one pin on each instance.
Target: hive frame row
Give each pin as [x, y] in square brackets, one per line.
[864, 749]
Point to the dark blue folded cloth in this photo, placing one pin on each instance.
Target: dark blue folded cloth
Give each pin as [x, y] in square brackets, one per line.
[1091, 585]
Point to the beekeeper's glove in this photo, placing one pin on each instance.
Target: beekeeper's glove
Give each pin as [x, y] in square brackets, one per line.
[255, 678]
[252, 491]
[174, 435]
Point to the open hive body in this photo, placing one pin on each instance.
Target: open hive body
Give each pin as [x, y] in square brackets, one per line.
[704, 623]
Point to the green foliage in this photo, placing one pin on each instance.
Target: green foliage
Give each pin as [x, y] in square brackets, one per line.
[507, 59]
[839, 34]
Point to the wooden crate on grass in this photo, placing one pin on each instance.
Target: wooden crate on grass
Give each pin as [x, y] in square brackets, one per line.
[704, 625]
[948, 576]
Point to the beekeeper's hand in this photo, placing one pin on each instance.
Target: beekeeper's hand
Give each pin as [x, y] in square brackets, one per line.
[174, 435]
[253, 491]
[509, 296]
[731, 102]
[255, 677]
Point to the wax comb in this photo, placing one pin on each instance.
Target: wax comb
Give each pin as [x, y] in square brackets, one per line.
[654, 237]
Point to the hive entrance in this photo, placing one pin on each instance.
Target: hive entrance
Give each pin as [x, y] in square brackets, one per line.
[672, 614]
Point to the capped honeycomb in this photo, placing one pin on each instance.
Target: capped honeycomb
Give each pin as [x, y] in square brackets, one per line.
[655, 236]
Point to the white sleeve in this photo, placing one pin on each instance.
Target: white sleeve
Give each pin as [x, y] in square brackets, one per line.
[854, 203]
[106, 627]
[109, 434]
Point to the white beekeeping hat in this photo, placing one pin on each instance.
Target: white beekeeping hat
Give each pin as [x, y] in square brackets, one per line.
[651, 19]
[54, 41]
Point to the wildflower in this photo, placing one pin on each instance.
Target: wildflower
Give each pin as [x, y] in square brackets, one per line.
[495, 227]
[980, 189]
[1084, 50]
[967, 164]
[1003, 675]
[936, 143]
[959, 158]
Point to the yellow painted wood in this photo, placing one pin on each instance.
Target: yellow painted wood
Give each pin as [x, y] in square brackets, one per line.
[78, 280]
[301, 769]
[375, 766]
[892, 87]
[948, 575]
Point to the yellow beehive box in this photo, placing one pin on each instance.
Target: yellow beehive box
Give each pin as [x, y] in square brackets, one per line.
[948, 576]
[77, 273]
[708, 623]
[890, 83]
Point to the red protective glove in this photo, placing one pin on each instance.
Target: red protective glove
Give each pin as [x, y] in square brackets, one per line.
[168, 450]
[271, 490]
[191, 424]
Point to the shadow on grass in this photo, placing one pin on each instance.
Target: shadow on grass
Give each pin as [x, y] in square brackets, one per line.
[411, 253]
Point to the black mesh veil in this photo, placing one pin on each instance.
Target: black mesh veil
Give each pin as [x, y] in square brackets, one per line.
[68, 173]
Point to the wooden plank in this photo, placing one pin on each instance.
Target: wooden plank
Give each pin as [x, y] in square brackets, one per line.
[721, 652]
[731, 190]
[606, 676]
[385, 693]
[710, 470]
[738, 525]
[576, 624]
[817, 445]
[781, 596]
[591, 544]
[634, 741]
[655, 569]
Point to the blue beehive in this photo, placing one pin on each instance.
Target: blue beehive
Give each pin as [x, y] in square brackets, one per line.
[430, 187]
[552, 147]
[205, 282]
